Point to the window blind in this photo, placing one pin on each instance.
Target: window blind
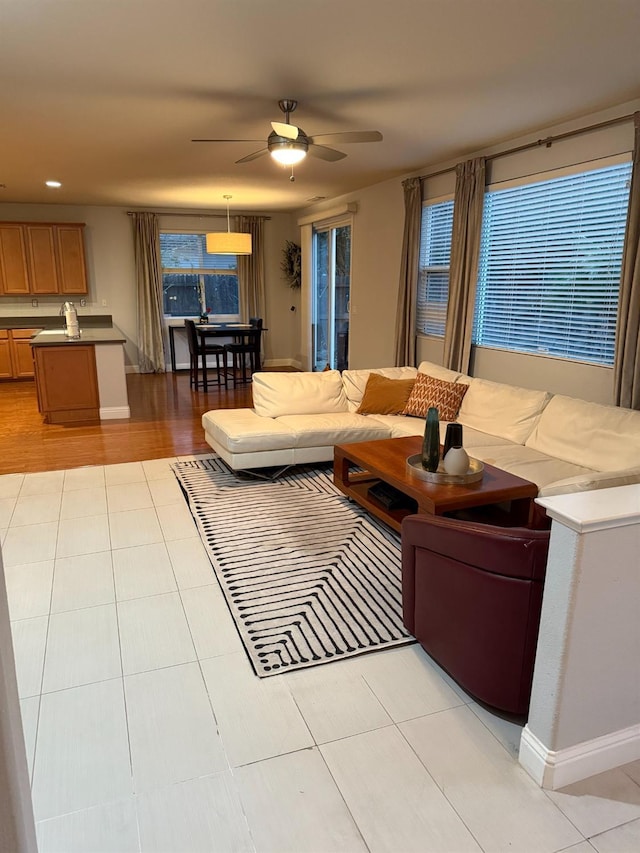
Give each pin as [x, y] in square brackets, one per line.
[188, 252]
[433, 277]
[550, 263]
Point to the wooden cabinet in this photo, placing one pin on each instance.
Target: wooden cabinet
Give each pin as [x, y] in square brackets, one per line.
[14, 276]
[16, 359]
[42, 258]
[71, 264]
[6, 368]
[67, 383]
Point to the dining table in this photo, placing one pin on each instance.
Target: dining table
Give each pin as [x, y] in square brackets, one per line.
[238, 331]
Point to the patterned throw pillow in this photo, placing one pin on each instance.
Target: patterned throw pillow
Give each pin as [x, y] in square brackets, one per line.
[384, 396]
[428, 391]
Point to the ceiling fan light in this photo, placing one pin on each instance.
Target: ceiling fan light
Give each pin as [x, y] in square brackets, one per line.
[228, 243]
[288, 154]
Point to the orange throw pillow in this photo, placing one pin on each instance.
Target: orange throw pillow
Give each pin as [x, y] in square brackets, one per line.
[429, 391]
[384, 396]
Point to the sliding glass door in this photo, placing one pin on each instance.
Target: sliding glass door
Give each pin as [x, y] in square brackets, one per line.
[331, 285]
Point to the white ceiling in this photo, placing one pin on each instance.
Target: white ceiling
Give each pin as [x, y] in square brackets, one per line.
[105, 95]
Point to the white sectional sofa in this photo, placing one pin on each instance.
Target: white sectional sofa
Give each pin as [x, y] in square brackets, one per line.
[562, 444]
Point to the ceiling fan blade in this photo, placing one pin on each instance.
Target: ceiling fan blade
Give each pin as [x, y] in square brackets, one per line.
[347, 136]
[324, 153]
[226, 140]
[289, 131]
[253, 156]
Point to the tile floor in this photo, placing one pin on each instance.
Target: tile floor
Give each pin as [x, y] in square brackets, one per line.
[146, 729]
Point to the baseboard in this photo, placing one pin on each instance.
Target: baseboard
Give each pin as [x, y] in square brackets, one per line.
[554, 770]
[111, 413]
[281, 362]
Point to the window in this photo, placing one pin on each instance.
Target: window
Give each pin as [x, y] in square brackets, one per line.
[433, 277]
[550, 263]
[194, 281]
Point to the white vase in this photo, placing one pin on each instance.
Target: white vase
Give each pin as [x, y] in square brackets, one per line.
[456, 461]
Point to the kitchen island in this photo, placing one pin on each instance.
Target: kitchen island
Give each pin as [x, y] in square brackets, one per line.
[80, 379]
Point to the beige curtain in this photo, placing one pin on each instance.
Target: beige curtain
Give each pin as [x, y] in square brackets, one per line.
[406, 312]
[251, 269]
[627, 364]
[146, 236]
[465, 252]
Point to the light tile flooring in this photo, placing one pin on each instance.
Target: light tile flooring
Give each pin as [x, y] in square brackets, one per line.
[147, 730]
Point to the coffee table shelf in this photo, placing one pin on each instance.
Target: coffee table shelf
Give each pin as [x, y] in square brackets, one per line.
[385, 461]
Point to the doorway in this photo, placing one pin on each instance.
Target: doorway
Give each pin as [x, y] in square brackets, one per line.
[330, 301]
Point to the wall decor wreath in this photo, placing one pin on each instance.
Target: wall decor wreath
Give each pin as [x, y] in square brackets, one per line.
[291, 264]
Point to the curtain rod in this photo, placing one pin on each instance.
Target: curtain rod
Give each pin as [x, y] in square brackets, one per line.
[547, 141]
[195, 215]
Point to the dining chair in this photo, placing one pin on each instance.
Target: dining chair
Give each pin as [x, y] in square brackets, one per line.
[249, 346]
[197, 351]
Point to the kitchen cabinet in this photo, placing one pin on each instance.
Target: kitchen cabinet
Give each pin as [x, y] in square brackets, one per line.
[16, 360]
[71, 263]
[14, 276]
[67, 383]
[6, 369]
[42, 258]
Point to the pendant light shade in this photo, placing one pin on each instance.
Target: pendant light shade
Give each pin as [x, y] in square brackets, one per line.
[228, 242]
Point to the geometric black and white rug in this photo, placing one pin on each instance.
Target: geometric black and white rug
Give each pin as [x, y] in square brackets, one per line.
[309, 577]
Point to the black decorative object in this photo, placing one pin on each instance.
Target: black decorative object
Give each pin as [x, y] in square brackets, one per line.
[431, 442]
[453, 438]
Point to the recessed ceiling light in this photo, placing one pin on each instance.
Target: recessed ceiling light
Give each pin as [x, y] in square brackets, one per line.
[53, 183]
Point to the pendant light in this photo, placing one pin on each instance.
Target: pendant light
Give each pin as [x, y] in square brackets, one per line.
[228, 242]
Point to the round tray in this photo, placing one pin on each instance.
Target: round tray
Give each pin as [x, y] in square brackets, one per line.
[476, 469]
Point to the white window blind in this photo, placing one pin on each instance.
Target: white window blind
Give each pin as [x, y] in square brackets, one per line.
[188, 252]
[550, 262]
[433, 279]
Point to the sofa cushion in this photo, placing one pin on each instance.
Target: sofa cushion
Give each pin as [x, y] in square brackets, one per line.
[529, 464]
[276, 394]
[383, 396]
[355, 381]
[591, 482]
[438, 371]
[502, 410]
[331, 428]
[589, 434]
[428, 391]
[243, 431]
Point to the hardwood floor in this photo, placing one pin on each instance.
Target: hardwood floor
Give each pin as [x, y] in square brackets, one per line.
[165, 421]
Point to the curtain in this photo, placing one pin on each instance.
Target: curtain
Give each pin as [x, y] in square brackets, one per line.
[146, 237]
[408, 289]
[465, 253]
[627, 361]
[251, 269]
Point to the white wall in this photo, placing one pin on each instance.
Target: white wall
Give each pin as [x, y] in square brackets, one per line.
[111, 272]
[377, 246]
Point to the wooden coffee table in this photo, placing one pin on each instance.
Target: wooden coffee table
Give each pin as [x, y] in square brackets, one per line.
[386, 460]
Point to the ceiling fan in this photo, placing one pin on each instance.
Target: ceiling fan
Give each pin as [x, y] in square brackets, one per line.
[289, 144]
